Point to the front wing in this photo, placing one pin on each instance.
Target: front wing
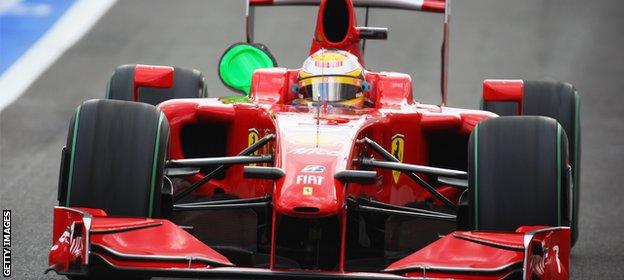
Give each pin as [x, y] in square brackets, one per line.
[158, 247]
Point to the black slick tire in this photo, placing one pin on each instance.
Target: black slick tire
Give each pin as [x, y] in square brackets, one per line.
[518, 173]
[561, 102]
[115, 153]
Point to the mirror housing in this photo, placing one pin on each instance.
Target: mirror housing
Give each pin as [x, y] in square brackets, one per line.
[151, 76]
[504, 91]
[238, 63]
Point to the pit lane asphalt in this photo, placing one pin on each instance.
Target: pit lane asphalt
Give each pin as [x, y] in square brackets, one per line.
[576, 41]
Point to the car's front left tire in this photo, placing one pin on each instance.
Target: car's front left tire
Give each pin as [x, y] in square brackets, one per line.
[560, 101]
[518, 174]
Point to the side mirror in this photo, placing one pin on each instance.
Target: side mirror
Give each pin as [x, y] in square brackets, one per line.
[505, 91]
[152, 76]
[238, 63]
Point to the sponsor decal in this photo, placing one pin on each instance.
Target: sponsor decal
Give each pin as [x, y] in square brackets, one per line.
[252, 137]
[397, 146]
[313, 169]
[315, 139]
[314, 151]
[310, 179]
[6, 243]
[307, 190]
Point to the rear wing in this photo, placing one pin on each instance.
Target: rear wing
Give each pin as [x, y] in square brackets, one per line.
[434, 6]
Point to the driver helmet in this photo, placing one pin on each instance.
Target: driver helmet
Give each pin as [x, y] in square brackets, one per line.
[332, 76]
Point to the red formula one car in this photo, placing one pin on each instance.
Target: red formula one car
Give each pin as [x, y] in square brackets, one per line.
[327, 171]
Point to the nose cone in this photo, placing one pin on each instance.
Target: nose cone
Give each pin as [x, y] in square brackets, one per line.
[312, 191]
[311, 150]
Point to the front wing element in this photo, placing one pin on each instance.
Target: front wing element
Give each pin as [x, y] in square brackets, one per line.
[125, 243]
[157, 247]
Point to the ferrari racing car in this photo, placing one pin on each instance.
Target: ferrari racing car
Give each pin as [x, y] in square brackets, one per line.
[330, 170]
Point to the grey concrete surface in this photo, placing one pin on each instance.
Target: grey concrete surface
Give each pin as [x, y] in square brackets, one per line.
[576, 41]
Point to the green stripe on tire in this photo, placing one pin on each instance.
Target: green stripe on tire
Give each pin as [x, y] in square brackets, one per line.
[577, 127]
[108, 85]
[155, 166]
[73, 155]
[476, 176]
[558, 174]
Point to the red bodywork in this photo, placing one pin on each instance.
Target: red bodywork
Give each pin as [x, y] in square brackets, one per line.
[504, 91]
[152, 76]
[312, 136]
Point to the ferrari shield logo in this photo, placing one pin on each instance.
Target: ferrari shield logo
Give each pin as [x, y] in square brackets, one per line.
[252, 138]
[308, 190]
[398, 144]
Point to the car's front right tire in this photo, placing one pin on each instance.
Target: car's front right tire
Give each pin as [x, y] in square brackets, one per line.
[115, 158]
[114, 161]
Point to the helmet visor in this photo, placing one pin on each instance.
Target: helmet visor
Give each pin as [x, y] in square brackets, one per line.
[331, 89]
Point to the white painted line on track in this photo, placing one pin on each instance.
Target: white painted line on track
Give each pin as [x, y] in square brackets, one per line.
[72, 25]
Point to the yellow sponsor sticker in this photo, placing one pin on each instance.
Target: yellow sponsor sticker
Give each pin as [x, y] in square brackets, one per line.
[398, 144]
